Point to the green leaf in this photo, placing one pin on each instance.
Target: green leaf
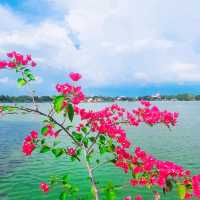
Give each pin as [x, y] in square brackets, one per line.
[70, 112]
[102, 139]
[45, 149]
[78, 152]
[58, 103]
[97, 161]
[65, 179]
[78, 137]
[31, 77]
[53, 180]
[8, 108]
[21, 82]
[110, 192]
[43, 141]
[63, 196]
[92, 139]
[102, 149]
[84, 129]
[85, 141]
[57, 152]
[111, 148]
[89, 157]
[44, 130]
[27, 72]
[181, 190]
[111, 195]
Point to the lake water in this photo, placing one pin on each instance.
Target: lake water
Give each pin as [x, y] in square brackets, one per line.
[19, 175]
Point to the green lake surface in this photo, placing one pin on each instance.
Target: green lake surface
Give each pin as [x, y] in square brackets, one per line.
[20, 175]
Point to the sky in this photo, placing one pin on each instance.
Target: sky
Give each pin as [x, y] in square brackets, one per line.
[121, 48]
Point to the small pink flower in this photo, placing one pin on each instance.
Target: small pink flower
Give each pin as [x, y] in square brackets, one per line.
[3, 64]
[127, 198]
[71, 151]
[133, 182]
[33, 63]
[44, 187]
[11, 65]
[28, 148]
[145, 103]
[75, 76]
[34, 134]
[28, 57]
[138, 197]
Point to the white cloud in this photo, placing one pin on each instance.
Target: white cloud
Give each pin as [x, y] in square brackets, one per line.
[122, 42]
[4, 80]
[7, 81]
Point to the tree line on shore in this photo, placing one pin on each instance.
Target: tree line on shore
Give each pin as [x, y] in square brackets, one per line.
[40, 99]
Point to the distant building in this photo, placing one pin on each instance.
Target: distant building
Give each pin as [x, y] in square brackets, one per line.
[156, 96]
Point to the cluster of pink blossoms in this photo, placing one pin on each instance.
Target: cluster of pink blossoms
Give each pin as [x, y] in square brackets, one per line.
[16, 59]
[109, 120]
[149, 171]
[29, 143]
[152, 115]
[73, 93]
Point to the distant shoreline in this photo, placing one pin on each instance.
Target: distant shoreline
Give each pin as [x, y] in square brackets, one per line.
[99, 99]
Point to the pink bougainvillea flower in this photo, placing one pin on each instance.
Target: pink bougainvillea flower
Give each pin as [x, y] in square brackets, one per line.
[11, 54]
[33, 63]
[28, 148]
[28, 144]
[133, 182]
[44, 187]
[71, 151]
[12, 65]
[3, 64]
[75, 76]
[34, 134]
[145, 103]
[28, 57]
[138, 197]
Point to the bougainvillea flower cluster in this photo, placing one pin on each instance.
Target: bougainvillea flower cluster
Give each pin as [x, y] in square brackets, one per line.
[72, 93]
[29, 143]
[16, 59]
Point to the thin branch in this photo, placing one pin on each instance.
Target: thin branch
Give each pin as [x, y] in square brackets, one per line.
[50, 117]
[89, 150]
[31, 91]
[91, 175]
